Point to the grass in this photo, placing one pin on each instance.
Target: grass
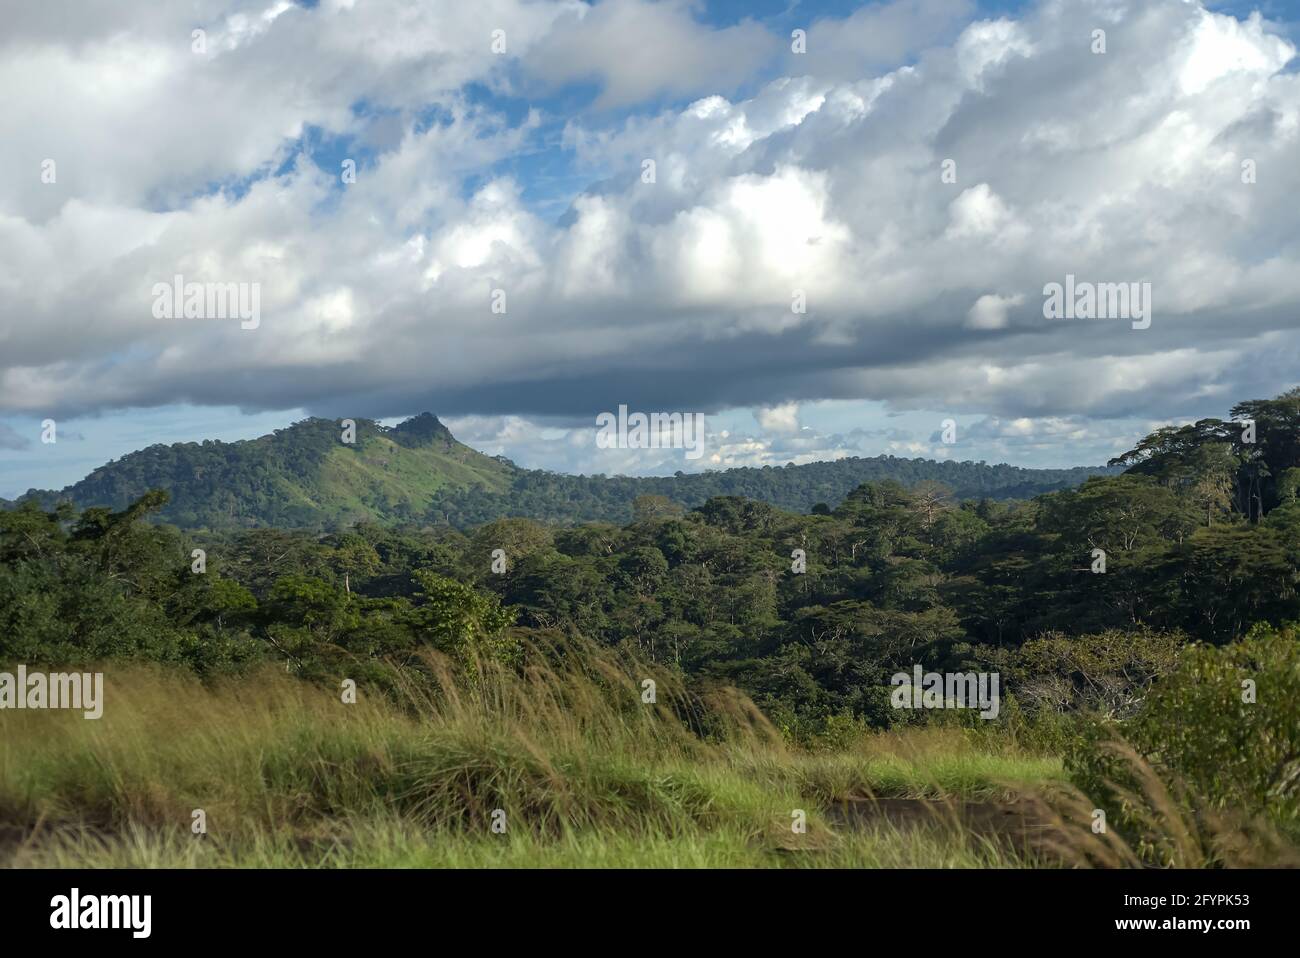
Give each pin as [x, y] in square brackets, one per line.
[586, 774]
[397, 844]
[380, 473]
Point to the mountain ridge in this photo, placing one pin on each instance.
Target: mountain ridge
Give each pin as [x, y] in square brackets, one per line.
[308, 474]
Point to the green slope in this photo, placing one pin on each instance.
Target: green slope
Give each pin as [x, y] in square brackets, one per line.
[306, 476]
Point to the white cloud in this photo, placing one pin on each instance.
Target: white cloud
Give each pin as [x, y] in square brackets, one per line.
[878, 36]
[989, 44]
[979, 213]
[638, 49]
[672, 295]
[990, 311]
[783, 418]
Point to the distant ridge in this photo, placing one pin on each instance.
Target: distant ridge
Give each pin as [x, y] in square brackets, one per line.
[306, 476]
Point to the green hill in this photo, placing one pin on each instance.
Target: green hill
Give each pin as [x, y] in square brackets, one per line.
[307, 476]
[558, 497]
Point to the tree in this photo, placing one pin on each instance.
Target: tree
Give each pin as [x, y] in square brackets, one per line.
[650, 508]
[461, 621]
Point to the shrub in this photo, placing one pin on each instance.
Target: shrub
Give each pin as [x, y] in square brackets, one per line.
[1222, 731]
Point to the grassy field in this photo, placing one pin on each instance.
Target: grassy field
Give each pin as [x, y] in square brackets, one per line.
[571, 765]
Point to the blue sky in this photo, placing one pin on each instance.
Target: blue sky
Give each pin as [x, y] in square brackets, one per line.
[521, 171]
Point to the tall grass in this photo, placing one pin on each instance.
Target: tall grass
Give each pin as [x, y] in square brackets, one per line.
[415, 773]
[584, 770]
[1163, 821]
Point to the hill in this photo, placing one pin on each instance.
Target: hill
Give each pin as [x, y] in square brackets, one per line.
[306, 476]
[554, 496]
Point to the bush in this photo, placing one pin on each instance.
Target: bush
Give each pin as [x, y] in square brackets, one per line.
[1107, 672]
[1223, 727]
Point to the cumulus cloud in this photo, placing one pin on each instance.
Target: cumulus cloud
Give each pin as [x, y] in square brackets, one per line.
[990, 311]
[137, 112]
[783, 418]
[880, 36]
[779, 440]
[377, 297]
[639, 49]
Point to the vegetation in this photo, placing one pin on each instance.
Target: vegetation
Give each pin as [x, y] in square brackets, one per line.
[307, 476]
[584, 771]
[1226, 724]
[504, 667]
[542, 767]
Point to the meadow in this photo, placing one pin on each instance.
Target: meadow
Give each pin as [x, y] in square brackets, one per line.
[523, 767]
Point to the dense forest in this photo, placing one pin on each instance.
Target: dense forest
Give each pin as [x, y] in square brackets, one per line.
[1080, 596]
[556, 497]
[315, 475]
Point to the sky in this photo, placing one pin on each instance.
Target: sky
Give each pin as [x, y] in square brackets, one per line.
[829, 228]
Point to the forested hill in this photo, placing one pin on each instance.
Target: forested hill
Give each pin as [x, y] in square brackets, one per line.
[553, 496]
[311, 474]
[308, 476]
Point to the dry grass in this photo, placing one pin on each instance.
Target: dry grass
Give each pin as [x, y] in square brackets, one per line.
[585, 772]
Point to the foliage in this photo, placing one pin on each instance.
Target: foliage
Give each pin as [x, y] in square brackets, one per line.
[306, 476]
[893, 576]
[1222, 732]
[770, 635]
